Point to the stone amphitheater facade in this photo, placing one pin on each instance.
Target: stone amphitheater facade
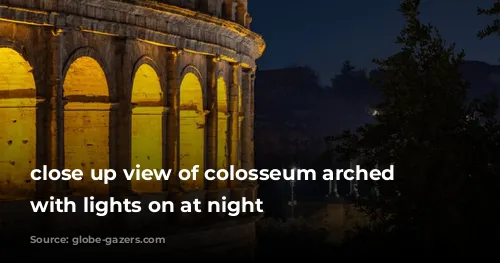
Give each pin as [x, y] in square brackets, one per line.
[100, 84]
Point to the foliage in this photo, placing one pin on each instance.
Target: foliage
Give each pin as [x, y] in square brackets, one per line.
[352, 88]
[349, 79]
[347, 68]
[444, 149]
[494, 27]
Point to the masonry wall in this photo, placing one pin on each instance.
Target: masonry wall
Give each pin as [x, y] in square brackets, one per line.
[86, 107]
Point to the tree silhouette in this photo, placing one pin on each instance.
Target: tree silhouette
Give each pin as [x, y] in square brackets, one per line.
[443, 150]
[347, 68]
[494, 27]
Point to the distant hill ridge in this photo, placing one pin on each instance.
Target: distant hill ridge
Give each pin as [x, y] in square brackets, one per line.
[294, 113]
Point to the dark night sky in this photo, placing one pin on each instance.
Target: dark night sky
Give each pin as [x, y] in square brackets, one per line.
[323, 33]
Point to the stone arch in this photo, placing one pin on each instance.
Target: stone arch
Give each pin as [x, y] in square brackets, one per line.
[222, 126]
[147, 60]
[147, 122]
[18, 47]
[90, 52]
[86, 119]
[194, 70]
[18, 121]
[30, 57]
[192, 132]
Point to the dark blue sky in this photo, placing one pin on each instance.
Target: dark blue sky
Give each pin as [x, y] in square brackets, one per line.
[324, 33]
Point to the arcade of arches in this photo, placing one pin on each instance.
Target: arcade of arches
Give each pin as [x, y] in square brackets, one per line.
[115, 84]
[88, 126]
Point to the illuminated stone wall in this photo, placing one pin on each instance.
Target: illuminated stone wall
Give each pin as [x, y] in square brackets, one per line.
[234, 10]
[147, 126]
[86, 123]
[18, 122]
[82, 87]
[192, 129]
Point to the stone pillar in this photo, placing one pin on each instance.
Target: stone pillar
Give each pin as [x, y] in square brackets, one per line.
[247, 127]
[237, 188]
[247, 131]
[241, 12]
[174, 188]
[52, 151]
[251, 149]
[120, 118]
[49, 129]
[234, 114]
[242, 16]
[248, 20]
[211, 125]
[227, 9]
[214, 192]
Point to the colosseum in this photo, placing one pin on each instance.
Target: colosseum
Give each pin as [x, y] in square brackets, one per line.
[100, 84]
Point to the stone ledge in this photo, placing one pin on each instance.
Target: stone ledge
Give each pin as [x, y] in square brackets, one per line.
[145, 20]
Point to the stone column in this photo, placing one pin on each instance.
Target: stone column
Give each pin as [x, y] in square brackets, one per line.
[237, 188]
[49, 129]
[251, 150]
[241, 13]
[227, 10]
[247, 131]
[211, 125]
[120, 118]
[234, 114]
[214, 192]
[175, 192]
[52, 151]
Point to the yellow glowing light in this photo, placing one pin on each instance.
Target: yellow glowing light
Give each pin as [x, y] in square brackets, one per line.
[192, 129]
[147, 132]
[222, 133]
[147, 86]
[18, 122]
[86, 129]
[85, 77]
